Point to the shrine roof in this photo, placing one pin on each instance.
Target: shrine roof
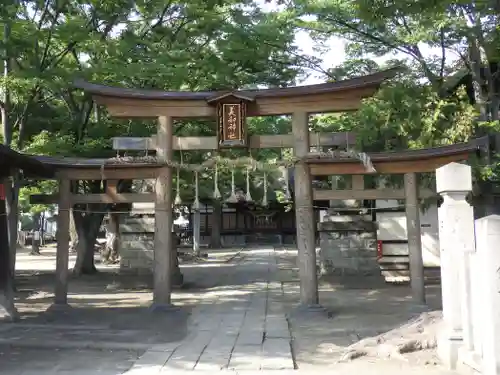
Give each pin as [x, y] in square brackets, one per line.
[475, 145]
[72, 162]
[129, 93]
[11, 160]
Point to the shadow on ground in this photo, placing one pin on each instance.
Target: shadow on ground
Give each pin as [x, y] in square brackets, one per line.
[113, 309]
[355, 308]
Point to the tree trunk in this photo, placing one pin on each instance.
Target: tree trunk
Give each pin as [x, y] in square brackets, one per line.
[112, 249]
[477, 79]
[7, 309]
[215, 237]
[87, 226]
[42, 229]
[196, 226]
[177, 276]
[12, 211]
[35, 242]
[11, 189]
[495, 87]
[73, 235]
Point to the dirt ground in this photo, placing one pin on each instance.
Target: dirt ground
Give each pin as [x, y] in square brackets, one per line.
[107, 297]
[355, 309]
[113, 309]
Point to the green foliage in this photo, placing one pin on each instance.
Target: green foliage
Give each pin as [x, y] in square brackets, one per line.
[379, 28]
[206, 45]
[434, 41]
[403, 114]
[178, 45]
[44, 187]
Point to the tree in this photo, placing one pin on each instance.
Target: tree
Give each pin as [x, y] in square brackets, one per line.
[7, 308]
[210, 45]
[406, 113]
[36, 211]
[7, 129]
[463, 34]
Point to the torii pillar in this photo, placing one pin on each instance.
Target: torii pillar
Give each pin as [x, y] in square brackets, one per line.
[304, 214]
[164, 242]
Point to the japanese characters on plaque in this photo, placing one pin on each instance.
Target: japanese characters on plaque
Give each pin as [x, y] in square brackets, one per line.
[231, 121]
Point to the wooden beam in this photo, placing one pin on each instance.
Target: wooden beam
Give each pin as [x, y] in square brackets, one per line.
[95, 198]
[117, 198]
[326, 102]
[109, 173]
[256, 141]
[321, 103]
[389, 167]
[44, 199]
[369, 194]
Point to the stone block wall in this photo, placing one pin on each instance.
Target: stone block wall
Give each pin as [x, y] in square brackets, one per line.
[137, 244]
[348, 246]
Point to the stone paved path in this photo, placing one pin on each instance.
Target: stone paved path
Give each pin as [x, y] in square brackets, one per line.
[238, 324]
[241, 326]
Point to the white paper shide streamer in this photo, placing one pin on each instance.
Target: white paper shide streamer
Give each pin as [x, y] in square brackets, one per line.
[233, 198]
[217, 194]
[288, 197]
[264, 199]
[178, 200]
[196, 203]
[248, 196]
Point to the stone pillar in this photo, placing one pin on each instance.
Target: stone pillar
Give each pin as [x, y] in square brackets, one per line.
[304, 213]
[63, 238]
[473, 348]
[196, 230]
[456, 239]
[412, 207]
[487, 240]
[164, 241]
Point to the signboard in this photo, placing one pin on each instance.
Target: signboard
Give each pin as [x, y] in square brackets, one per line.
[231, 121]
[2, 192]
[131, 143]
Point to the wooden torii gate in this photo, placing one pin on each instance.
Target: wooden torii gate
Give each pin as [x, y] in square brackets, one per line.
[299, 102]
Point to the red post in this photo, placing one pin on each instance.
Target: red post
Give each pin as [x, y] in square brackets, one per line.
[5, 277]
[380, 249]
